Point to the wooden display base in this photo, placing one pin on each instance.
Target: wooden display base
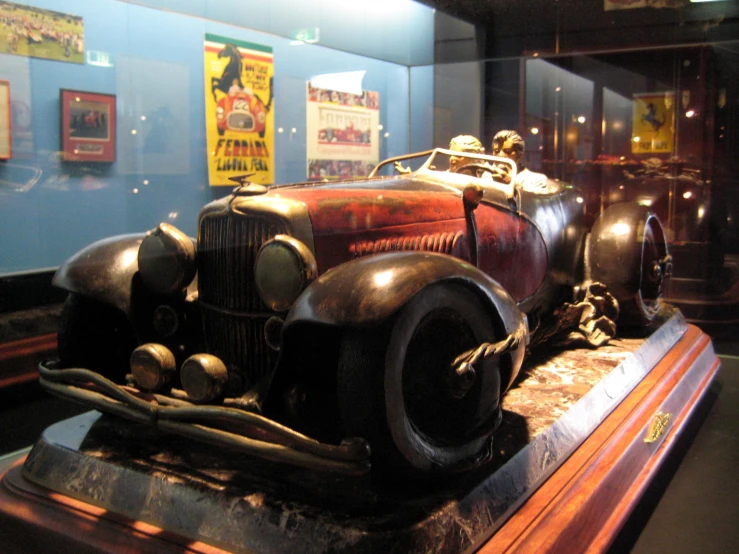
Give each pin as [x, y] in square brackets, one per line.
[584, 504]
[576, 504]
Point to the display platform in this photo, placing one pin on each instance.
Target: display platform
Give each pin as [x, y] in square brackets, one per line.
[584, 432]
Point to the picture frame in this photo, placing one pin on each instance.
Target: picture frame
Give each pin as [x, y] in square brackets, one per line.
[88, 126]
[6, 140]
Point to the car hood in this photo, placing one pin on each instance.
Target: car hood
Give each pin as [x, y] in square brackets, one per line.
[362, 205]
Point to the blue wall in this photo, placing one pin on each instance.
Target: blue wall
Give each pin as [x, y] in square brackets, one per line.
[160, 172]
[399, 31]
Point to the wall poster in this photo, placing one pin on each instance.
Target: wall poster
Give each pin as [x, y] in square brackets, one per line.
[653, 125]
[39, 33]
[343, 136]
[239, 121]
[88, 126]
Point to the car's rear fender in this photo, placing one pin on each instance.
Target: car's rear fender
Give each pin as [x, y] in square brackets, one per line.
[103, 271]
[614, 253]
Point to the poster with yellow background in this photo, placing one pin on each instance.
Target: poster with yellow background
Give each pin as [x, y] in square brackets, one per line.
[239, 121]
[653, 123]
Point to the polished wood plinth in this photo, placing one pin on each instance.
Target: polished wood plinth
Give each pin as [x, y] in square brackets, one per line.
[585, 502]
[573, 505]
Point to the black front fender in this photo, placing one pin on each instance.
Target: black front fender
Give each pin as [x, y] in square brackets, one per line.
[367, 291]
[103, 270]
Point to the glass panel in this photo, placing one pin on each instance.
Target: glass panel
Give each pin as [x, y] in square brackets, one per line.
[152, 61]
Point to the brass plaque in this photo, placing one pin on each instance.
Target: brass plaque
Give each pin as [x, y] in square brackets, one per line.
[658, 427]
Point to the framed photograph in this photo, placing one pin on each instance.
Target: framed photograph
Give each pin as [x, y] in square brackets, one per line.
[88, 126]
[5, 138]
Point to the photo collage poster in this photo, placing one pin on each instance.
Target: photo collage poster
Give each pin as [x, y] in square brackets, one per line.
[342, 132]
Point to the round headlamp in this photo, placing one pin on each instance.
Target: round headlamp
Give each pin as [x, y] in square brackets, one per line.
[285, 266]
[167, 259]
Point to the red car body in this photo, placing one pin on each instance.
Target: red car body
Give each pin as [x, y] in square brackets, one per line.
[242, 112]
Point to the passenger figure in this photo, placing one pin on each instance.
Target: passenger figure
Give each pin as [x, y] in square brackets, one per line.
[509, 144]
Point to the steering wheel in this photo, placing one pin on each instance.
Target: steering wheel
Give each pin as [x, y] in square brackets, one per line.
[495, 171]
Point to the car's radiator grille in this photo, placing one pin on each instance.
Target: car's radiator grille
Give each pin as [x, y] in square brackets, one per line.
[239, 342]
[240, 121]
[227, 250]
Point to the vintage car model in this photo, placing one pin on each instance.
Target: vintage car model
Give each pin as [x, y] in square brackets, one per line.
[241, 111]
[339, 325]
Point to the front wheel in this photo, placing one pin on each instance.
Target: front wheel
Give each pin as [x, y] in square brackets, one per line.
[397, 387]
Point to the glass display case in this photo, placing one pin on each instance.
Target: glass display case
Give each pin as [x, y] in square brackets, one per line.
[134, 135]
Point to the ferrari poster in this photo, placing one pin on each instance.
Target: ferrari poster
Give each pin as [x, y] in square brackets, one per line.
[239, 121]
[653, 123]
[343, 133]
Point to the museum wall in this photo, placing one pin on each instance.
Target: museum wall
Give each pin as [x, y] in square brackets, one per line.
[396, 31]
[565, 75]
[151, 59]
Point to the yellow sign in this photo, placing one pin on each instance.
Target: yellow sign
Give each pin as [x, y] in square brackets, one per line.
[653, 123]
[239, 121]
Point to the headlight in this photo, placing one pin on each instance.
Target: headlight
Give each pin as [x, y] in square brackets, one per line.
[285, 266]
[167, 259]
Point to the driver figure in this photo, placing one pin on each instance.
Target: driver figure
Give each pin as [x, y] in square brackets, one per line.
[509, 144]
[460, 143]
[464, 143]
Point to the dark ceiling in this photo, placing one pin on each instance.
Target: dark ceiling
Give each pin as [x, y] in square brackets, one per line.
[473, 11]
[515, 27]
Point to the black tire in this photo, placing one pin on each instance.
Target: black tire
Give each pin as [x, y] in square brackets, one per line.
[643, 308]
[394, 384]
[95, 336]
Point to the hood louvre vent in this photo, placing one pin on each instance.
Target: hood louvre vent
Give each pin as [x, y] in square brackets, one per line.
[443, 243]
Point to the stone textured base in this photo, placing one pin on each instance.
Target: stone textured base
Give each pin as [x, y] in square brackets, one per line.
[568, 405]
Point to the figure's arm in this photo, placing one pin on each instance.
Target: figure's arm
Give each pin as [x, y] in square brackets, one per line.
[402, 170]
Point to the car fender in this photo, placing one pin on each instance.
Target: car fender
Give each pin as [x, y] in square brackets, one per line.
[367, 291]
[615, 247]
[103, 270]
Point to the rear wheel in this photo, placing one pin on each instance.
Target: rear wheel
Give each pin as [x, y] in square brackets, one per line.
[95, 336]
[397, 387]
[642, 309]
